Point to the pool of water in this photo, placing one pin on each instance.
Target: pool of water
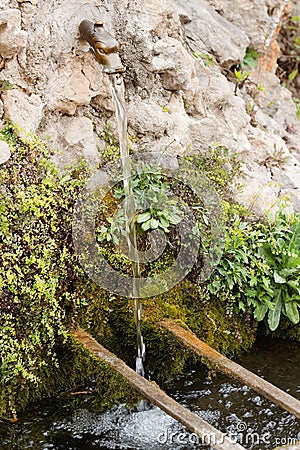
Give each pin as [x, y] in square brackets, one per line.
[71, 424]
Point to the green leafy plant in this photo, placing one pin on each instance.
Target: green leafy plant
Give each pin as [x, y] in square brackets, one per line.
[282, 254]
[261, 268]
[114, 229]
[220, 165]
[277, 159]
[249, 61]
[6, 86]
[156, 209]
[245, 68]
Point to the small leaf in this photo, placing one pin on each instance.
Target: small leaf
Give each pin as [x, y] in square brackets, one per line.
[165, 229]
[164, 222]
[172, 217]
[295, 19]
[197, 55]
[65, 178]
[294, 285]
[274, 314]
[242, 306]
[146, 225]
[278, 278]
[6, 86]
[238, 74]
[292, 312]
[144, 217]
[260, 311]
[293, 75]
[154, 223]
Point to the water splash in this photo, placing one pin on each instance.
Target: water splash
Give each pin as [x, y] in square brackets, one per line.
[117, 90]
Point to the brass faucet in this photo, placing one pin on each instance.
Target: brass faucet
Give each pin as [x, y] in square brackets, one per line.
[104, 46]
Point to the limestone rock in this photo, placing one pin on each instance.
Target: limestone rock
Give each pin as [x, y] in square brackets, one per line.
[4, 152]
[12, 38]
[25, 110]
[259, 193]
[159, 128]
[4, 4]
[68, 87]
[147, 118]
[99, 87]
[277, 102]
[207, 31]
[173, 63]
[12, 72]
[282, 179]
[224, 122]
[258, 18]
[161, 17]
[75, 139]
[174, 99]
[266, 148]
[293, 196]
[178, 126]
[290, 170]
[91, 69]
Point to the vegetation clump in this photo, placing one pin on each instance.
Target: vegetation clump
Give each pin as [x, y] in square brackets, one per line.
[44, 291]
[260, 268]
[37, 296]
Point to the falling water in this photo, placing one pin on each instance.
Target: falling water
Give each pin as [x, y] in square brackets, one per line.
[117, 93]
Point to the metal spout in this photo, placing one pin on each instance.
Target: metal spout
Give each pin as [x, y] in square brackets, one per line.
[104, 46]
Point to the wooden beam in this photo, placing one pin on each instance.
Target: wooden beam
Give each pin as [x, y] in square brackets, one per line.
[210, 435]
[234, 370]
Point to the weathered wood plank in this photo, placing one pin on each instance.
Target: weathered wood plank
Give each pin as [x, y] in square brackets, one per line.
[210, 435]
[234, 370]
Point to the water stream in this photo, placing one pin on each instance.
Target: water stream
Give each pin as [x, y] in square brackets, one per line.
[117, 92]
[72, 423]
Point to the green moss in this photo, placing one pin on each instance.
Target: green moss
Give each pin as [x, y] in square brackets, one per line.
[43, 290]
[111, 150]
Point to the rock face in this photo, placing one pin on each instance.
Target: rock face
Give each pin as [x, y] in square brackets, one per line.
[26, 110]
[258, 18]
[180, 88]
[12, 38]
[207, 31]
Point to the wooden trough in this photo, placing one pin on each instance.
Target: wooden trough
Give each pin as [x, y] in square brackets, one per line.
[210, 435]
